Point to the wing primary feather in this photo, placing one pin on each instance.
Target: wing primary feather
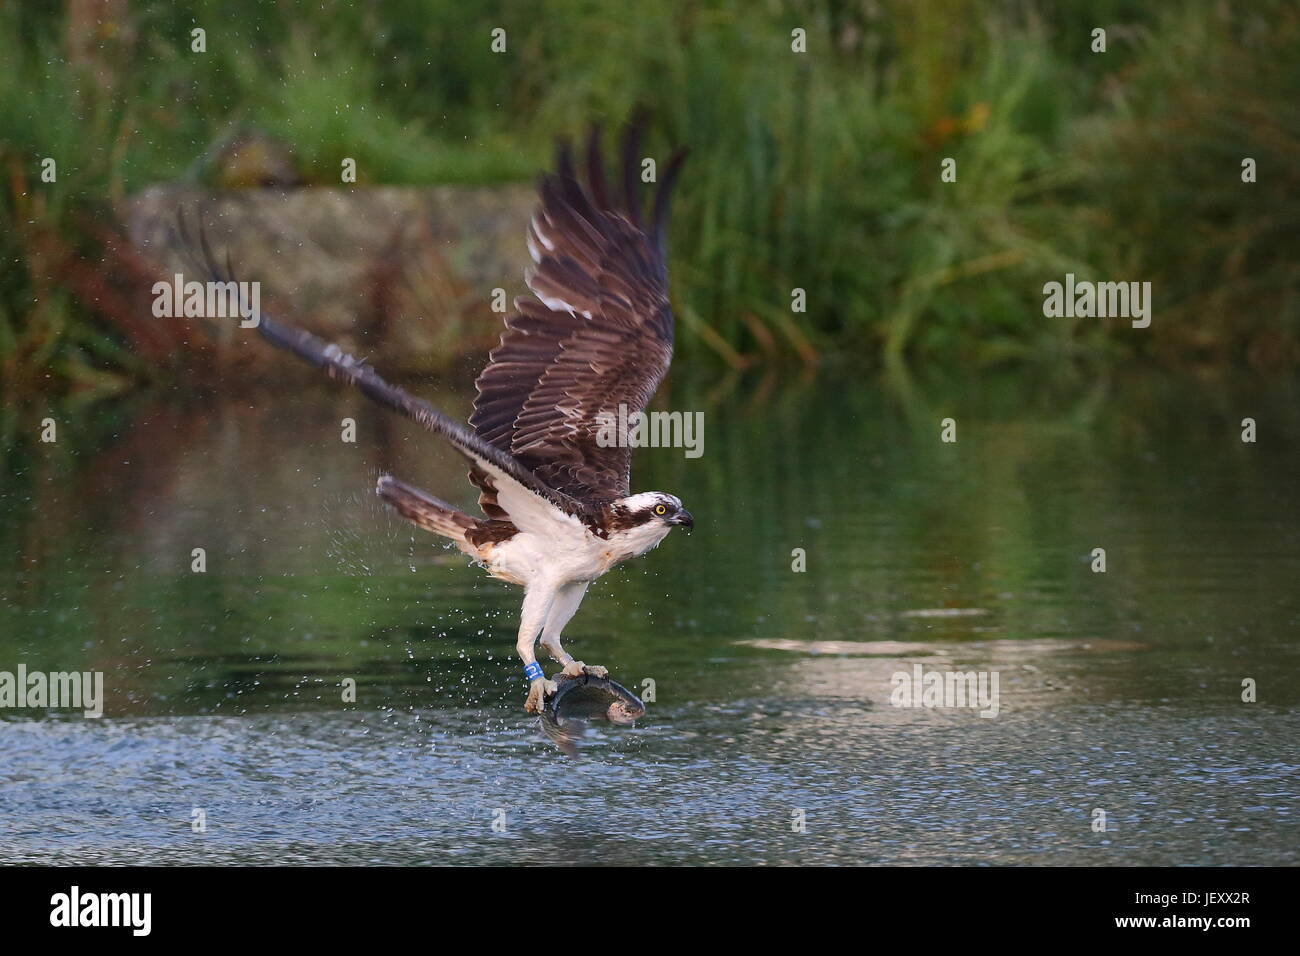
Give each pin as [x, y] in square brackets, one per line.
[631, 149]
[570, 188]
[596, 170]
[660, 227]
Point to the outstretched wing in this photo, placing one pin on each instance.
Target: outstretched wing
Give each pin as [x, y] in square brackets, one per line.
[597, 332]
[521, 492]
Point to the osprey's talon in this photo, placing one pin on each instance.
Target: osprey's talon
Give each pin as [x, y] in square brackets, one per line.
[578, 668]
[538, 690]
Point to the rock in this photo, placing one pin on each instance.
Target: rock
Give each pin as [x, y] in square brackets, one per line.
[402, 276]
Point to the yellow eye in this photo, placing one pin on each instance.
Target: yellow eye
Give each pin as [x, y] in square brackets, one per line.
[660, 510]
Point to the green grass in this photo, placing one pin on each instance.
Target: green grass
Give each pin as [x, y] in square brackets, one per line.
[817, 171]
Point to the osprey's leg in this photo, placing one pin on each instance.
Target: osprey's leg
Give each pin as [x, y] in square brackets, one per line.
[562, 611]
[537, 604]
[563, 608]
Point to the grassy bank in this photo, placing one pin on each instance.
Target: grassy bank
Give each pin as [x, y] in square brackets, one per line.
[818, 171]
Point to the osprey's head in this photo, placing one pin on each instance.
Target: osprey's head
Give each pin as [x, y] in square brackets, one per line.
[651, 509]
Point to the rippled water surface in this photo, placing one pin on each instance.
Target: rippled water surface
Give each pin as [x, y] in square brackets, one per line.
[1119, 691]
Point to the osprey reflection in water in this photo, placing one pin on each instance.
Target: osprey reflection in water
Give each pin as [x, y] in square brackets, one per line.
[597, 333]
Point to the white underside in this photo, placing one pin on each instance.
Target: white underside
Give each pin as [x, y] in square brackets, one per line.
[554, 557]
[553, 548]
[566, 553]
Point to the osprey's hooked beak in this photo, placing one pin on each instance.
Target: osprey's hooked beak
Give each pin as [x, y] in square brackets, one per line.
[683, 518]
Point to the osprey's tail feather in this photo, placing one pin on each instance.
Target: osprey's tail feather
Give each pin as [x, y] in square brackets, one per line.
[427, 512]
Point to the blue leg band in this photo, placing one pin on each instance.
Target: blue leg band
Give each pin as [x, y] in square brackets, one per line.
[532, 671]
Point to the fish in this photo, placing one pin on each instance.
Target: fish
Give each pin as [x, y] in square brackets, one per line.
[579, 700]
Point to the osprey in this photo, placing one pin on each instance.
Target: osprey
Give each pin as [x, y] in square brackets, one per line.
[596, 333]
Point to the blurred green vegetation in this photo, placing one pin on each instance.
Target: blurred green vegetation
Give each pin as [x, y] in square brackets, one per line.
[818, 171]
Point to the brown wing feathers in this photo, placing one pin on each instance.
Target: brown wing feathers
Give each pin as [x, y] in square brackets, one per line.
[596, 334]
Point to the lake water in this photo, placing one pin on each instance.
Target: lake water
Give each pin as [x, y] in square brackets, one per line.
[1118, 691]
